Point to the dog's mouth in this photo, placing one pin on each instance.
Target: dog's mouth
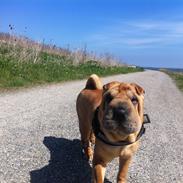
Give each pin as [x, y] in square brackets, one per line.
[121, 123]
[121, 127]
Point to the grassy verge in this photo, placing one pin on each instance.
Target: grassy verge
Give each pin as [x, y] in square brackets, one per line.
[177, 77]
[48, 68]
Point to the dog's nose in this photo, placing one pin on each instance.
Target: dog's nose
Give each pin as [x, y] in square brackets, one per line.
[120, 112]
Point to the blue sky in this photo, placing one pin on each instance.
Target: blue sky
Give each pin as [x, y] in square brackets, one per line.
[141, 32]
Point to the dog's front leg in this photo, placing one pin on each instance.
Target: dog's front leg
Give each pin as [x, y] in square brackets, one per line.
[123, 168]
[99, 163]
[98, 173]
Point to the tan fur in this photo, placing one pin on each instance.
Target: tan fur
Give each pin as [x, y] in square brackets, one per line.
[91, 97]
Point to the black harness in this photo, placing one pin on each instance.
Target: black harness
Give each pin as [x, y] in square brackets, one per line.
[101, 136]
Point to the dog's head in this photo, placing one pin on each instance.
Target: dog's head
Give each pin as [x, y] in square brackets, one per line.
[122, 107]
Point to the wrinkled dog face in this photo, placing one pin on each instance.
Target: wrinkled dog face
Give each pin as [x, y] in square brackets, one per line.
[122, 107]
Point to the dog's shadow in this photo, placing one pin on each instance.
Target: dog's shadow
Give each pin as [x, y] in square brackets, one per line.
[66, 165]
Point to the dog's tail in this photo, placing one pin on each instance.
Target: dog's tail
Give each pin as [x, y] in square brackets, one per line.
[94, 83]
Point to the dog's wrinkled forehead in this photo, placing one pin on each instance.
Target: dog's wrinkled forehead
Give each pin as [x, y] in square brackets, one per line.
[116, 87]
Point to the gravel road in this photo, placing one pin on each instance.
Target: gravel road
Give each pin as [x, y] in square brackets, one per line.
[40, 137]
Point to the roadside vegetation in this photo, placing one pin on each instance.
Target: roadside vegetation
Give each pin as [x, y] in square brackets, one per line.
[24, 62]
[176, 76]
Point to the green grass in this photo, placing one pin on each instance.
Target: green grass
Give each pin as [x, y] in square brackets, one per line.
[177, 77]
[48, 68]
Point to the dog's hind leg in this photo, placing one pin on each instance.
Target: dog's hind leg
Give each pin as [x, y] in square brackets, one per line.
[85, 130]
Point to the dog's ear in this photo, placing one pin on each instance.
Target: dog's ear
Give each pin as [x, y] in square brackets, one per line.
[139, 89]
[110, 85]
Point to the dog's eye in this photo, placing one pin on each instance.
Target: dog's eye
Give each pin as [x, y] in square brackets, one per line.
[134, 100]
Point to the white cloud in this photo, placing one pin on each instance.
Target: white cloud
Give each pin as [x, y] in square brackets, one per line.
[140, 33]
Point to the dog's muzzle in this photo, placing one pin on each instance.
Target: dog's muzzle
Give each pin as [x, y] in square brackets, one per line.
[101, 136]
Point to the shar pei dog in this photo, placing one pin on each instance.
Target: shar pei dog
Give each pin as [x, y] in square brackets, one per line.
[111, 117]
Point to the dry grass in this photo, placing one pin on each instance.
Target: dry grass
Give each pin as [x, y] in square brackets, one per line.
[24, 62]
[30, 50]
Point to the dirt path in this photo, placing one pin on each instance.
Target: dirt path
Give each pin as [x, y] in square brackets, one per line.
[40, 137]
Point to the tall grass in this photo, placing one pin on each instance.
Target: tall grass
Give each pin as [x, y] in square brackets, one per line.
[28, 49]
[25, 64]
